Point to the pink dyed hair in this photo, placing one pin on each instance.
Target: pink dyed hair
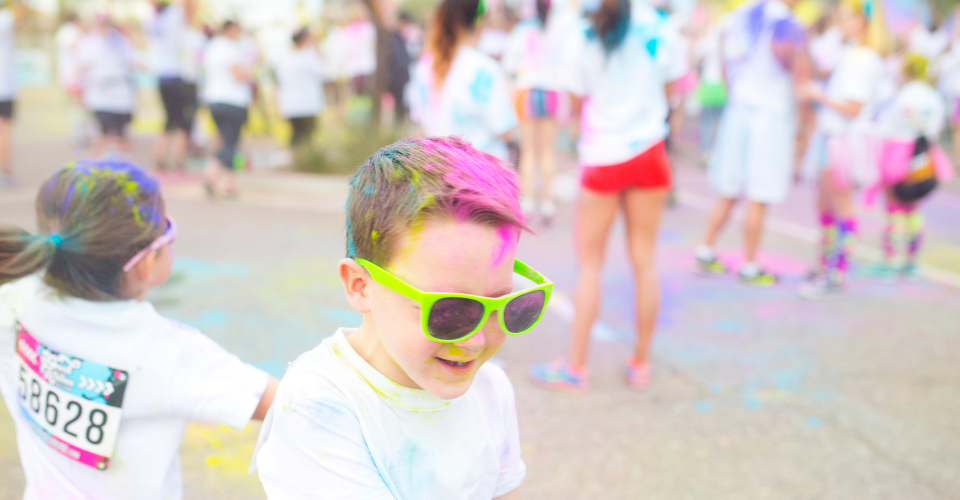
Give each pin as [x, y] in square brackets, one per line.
[412, 180]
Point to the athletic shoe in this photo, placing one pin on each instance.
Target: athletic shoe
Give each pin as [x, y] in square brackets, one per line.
[711, 266]
[559, 376]
[637, 375]
[547, 211]
[761, 279]
[821, 289]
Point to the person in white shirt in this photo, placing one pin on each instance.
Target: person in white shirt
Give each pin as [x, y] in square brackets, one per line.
[299, 75]
[407, 406]
[617, 68]
[456, 89]
[66, 40]
[532, 57]
[227, 91]
[848, 105]
[100, 386]
[105, 60]
[8, 90]
[753, 158]
[360, 46]
[165, 36]
[191, 69]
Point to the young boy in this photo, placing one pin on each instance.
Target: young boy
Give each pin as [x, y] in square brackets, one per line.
[404, 407]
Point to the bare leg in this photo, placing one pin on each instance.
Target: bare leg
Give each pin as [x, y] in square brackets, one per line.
[179, 151]
[595, 215]
[546, 139]
[718, 219]
[528, 158]
[160, 151]
[642, 208]
[5, 133]
[956, 141]
[753, 229]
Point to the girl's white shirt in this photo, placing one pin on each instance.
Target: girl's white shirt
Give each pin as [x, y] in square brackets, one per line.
[175, 375]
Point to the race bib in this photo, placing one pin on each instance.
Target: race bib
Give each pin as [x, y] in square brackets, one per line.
[72, 404]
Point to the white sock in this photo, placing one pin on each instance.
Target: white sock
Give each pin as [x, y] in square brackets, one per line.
[704, 252]
[750, 269]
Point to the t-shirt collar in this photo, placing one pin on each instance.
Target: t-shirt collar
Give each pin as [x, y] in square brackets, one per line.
[393, 393]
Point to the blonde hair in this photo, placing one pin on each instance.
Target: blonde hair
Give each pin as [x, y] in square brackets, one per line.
[877, 37]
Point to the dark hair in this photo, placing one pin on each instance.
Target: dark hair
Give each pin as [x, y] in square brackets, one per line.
[452, 19]
[610, 23]
[227, 25]
[93, 217]
[543, 10]
[300, 35]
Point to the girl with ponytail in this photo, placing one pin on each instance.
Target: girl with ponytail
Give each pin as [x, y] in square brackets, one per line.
[619, 66]
[532, 58]
[458, 90]
[848, 105]
[90, 372]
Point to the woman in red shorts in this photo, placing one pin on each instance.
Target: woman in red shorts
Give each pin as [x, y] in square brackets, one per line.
[619, 68]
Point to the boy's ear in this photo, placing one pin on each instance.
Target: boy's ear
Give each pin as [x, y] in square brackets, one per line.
[355, 284]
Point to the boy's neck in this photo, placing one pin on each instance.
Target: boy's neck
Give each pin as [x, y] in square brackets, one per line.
[366, 342]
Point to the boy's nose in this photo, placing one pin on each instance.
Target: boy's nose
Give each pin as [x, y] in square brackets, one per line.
[479, 339]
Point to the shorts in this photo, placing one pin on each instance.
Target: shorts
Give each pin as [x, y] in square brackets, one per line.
[173, 95]
[536, 103]
[648, 170]
[6, 109]
[851, 159]
[114, 124]
[753, 154]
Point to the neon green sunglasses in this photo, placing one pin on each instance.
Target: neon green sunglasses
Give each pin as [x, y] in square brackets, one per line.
[453, 317]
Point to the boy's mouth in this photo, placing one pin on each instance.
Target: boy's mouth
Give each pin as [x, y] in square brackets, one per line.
[457, 365]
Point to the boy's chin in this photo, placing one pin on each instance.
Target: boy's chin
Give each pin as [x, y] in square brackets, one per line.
[448, 386]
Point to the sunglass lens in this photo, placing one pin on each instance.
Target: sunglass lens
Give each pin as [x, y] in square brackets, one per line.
[454, 317]
[522, 312]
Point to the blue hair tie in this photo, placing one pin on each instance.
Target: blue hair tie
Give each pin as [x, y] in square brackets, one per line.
[56, 240]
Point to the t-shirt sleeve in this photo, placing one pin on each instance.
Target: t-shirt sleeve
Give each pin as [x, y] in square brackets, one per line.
[418, 94]
[315, 449]
[512, 468]
[573, 77]
[514, 51]
[498, 113]
[861, 80]
[210, 384]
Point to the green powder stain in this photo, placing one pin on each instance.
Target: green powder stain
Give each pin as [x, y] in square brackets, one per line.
[374, 235]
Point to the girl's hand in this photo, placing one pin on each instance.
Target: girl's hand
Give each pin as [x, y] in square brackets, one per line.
[811, 92]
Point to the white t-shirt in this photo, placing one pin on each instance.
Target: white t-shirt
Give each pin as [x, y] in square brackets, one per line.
[300, 81]
[756, 77]
[918, 109]
[625, 106]
[66, 40]
[164, 35]
[493, 42]
[220, 85]
[149, 374]
[193, 44]
[360, 40]
[533, 54]
[8, 81]
[106, 63]
[340, 429]
[707, 49]
[826, 49]
[473, 102]
[334, 53]
[857, 77]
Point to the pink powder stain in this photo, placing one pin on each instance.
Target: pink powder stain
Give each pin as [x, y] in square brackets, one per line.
[508, 242]
[777, 264]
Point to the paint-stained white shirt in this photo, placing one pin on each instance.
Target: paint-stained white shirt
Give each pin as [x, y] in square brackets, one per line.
[340, 429]
[148, 373]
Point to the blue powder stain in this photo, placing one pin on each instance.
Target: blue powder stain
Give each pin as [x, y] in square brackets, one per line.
[714, 388]
[213, 318]
[704, 406]
[751, 403]
[813, 422]
[66, 201]
[199, 268]
[651, 46]
[273, 367]
[729, 325]
[482, 86]
[369, 190]
[788, 380]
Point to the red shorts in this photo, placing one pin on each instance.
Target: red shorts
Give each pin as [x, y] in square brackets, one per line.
[649, 170]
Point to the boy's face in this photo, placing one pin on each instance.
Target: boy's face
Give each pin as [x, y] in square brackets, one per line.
[450, 257]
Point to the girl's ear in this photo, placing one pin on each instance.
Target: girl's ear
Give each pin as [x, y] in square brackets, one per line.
[356, 283]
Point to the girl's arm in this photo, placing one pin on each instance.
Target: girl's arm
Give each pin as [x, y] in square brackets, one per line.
[266, 400]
